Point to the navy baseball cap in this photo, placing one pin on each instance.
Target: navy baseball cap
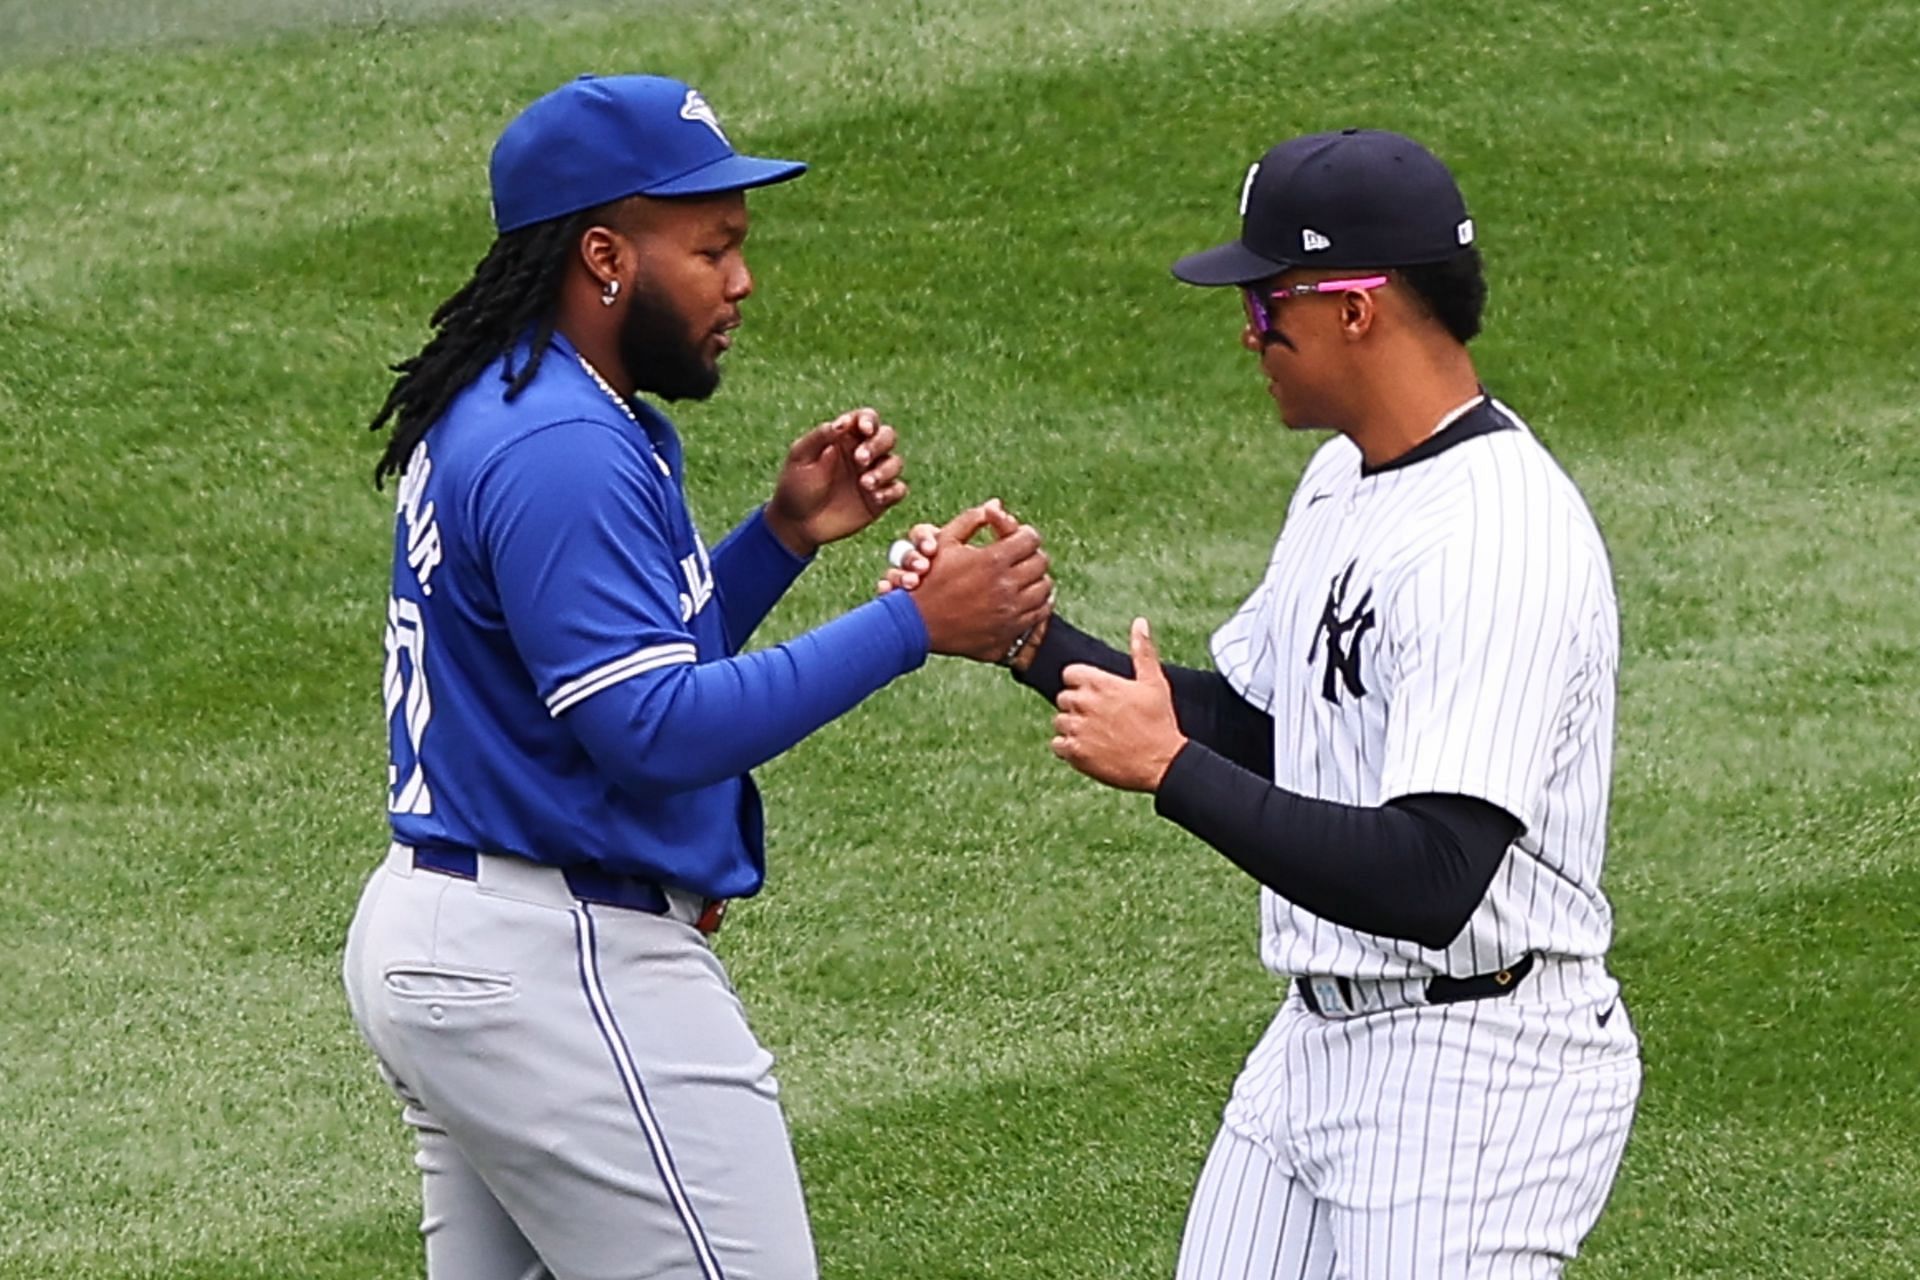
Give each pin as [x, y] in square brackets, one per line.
[1357, 198]
[603, 138]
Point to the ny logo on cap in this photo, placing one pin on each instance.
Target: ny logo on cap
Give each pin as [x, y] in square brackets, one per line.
[696, 108]
[1246, 188]
[1312, 241]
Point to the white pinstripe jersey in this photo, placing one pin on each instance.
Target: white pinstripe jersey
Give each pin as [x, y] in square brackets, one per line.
[1447, 625]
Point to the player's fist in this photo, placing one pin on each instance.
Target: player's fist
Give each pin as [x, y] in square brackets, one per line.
[1118, 731]
[838, 478]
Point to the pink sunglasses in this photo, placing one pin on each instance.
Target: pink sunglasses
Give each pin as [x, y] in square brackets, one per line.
[1260, 305]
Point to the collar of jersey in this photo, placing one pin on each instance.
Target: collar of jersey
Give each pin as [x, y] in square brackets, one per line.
[1478, 417]
[652, 423]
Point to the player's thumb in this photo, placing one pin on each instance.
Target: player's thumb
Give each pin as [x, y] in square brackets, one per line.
[814, 445]
[1146, 657]
[964, 526]
[1004, 522]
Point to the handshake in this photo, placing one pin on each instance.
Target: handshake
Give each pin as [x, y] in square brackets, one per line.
[994, 602]
[988, 602]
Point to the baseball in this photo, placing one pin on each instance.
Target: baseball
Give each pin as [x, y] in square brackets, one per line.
[897, 553]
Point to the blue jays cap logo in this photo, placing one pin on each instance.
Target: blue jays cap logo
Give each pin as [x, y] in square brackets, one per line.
[696, 108]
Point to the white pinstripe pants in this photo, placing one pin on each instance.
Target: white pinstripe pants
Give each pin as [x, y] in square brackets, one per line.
[588, 1100]
[1472, 1141]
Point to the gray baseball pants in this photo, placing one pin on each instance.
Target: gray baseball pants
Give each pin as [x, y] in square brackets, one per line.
[588, 1100]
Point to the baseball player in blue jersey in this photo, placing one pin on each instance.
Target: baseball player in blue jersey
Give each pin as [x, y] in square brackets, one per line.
[1407, 740]
[573, 718]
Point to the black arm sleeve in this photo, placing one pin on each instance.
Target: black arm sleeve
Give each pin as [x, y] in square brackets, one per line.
[1209, 709]
[1414, 868]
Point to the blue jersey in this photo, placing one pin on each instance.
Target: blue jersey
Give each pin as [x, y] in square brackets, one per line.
[564, 679]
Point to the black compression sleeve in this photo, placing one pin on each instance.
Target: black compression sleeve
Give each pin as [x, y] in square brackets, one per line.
[1414, 868]
[1062, 646]
[1209, 709]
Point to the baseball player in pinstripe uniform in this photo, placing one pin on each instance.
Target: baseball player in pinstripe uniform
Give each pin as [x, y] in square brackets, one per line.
[1407, 742]
[572, 717]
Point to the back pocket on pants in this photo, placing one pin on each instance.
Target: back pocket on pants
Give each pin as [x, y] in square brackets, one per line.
[438, 984]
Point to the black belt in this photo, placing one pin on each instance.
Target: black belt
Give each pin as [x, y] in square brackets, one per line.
[1441, 990]
[588, 884]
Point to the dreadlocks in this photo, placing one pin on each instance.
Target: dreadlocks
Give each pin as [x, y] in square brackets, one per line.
[514, 288]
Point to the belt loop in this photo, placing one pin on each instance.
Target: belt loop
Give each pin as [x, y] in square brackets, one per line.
[1327, 996]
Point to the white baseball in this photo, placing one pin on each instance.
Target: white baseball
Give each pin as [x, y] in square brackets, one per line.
[897, 553]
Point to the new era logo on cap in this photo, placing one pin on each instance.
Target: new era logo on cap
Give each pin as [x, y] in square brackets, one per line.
[1464, 232]
[1312, 241]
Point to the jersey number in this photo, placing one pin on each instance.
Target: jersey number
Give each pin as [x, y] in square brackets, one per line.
[409, 707]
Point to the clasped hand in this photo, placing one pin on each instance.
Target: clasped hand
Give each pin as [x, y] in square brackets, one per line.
[1120, 731]
[982, 601]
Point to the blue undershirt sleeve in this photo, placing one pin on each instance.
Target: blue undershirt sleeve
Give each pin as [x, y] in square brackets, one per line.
[574, 523]
[686, 726]
[752, 569]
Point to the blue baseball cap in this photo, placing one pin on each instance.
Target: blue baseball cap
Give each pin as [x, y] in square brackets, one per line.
[603, 138]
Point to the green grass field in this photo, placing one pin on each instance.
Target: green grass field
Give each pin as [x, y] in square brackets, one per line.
[1008, 1003]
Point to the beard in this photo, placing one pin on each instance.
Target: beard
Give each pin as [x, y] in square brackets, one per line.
[658, 354]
